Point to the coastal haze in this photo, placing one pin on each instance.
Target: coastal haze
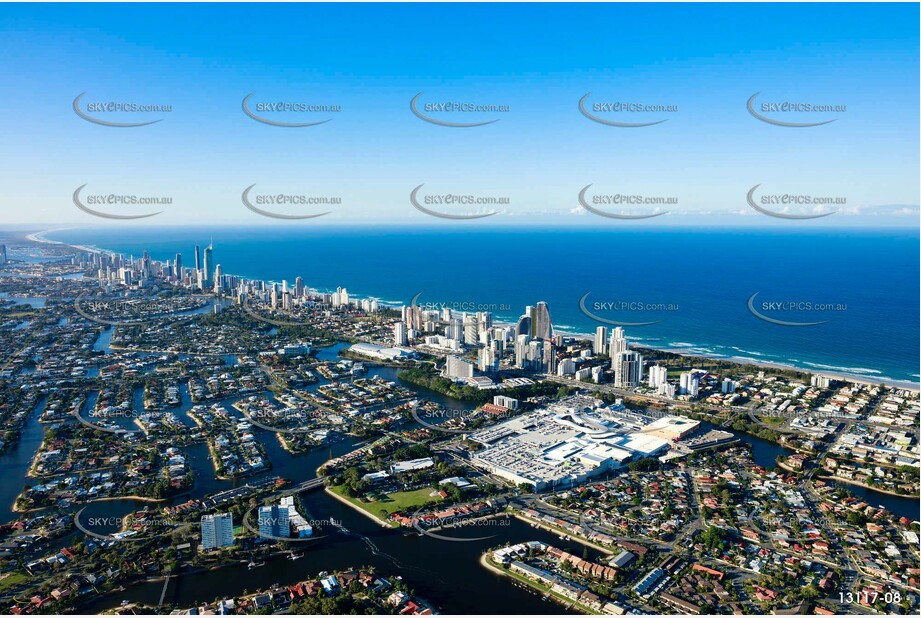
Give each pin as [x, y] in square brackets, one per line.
[460, 309]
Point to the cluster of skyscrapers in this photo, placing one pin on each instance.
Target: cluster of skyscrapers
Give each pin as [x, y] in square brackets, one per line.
[209, 277]
[626, 364]
[446, 329]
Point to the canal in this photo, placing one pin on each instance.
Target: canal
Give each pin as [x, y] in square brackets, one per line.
[447, 574]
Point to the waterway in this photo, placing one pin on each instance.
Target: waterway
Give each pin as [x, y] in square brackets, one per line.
[447, 574]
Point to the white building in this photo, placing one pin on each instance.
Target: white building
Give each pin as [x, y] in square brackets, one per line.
[628, 369]
[399, 334]
[657, 375]
[618, 342]
[458, 368]
[216, 531]
[601, 335]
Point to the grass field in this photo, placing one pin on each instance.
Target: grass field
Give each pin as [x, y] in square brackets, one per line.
[398, 501]
[12, 579]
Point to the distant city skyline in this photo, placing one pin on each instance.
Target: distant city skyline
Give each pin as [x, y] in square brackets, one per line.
[374, 151]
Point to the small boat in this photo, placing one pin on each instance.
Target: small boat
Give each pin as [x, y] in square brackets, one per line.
[254, 565]
[293, 556]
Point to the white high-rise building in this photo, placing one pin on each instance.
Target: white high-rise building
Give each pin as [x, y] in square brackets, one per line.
[340, 298]
[455, 329]
[667, 390]
[820, 381]
[597, 374]
[618, 342]
[216, 531]
[658, 374]
[601, 336]
[628, 369]
[689, 383]
[521, 351]
[471, 329]
[566, 367]
[488, 360]
[728, 386]
[458, 368]
[399, 334]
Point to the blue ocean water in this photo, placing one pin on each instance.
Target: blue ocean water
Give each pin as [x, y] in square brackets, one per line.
[703, 277]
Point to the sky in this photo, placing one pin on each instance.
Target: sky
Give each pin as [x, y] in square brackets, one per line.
[701, 63]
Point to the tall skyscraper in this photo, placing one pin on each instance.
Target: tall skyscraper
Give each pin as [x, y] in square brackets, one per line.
[197, 257]
[618, 342]
[471, 329]
[216, 531]
[541, 328]
[601, 336]
[3, 254]
[208, 264]
[628, 369]
[487, 360]
[177, 266]
[521, 350]
[219, 280]
[399, 334]
[298, 286]
[523, 327]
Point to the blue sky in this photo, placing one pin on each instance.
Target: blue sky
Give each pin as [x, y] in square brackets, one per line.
[538, 60]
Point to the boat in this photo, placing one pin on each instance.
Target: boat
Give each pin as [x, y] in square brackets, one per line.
[293, 556]
[254, 565]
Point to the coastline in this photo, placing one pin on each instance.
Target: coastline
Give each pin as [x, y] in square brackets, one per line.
[737, 360]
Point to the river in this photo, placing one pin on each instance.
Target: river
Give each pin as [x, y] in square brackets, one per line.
[447, 574]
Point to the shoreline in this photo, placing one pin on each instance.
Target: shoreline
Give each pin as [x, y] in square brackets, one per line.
[737, 360]
[839, 479]
[357, 509]
[573, 537]
[567, 603]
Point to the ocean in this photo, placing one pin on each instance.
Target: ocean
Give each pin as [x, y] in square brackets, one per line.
[693, 284]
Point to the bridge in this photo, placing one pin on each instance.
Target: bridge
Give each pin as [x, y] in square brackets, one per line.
[310, 485]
